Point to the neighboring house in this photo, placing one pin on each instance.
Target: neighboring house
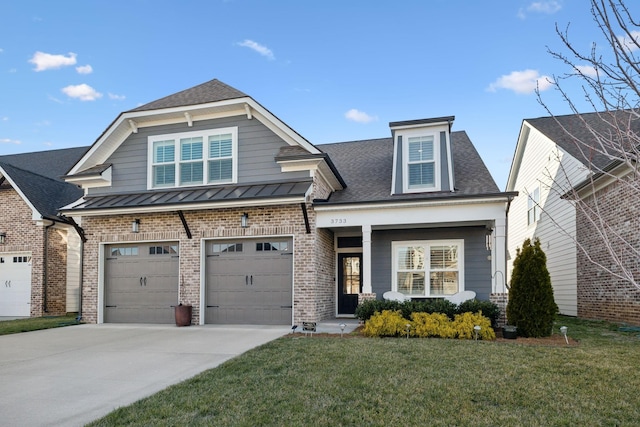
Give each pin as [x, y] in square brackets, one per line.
[39, 251]
[206, 198]
[552, 155]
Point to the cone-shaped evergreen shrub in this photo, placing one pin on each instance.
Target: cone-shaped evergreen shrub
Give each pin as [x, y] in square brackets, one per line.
[531, 306]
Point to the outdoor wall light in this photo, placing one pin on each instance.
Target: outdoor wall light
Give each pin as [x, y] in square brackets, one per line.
[3, 238]
[244, 220]
[135, 226]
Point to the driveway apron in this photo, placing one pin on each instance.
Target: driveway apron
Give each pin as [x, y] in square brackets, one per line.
[73, 375]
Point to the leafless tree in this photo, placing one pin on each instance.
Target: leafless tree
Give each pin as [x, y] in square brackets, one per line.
[610, 145]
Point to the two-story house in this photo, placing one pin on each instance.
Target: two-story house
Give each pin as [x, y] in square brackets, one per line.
[206, 198]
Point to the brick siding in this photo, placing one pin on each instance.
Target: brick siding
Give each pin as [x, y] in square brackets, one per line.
[601, 295]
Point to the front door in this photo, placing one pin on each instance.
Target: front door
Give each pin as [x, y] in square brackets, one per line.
[349, 282]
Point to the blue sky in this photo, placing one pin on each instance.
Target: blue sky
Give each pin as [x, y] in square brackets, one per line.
[332, 70]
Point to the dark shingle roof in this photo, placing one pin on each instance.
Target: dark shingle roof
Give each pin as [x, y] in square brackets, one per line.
[37, 175]
[571, 133]
[211, 91]
[367, 168]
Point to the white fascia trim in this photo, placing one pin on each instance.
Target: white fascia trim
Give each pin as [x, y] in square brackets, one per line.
[409, 204]
[603, 181]
[422, 125]
[185, 207]
[517, 156]
[103, 180]
[318, 165]
[35, 215]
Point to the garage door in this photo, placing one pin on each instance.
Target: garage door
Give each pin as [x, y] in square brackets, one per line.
[15, 285]
[141, 283]
[249, 281]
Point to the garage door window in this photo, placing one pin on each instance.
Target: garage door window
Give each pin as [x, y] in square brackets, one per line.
[128, 251]
[163, 250]
[272, 246]
[226, 247]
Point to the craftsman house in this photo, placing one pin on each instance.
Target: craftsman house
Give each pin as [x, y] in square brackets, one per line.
[205, 198]
[553, 157]
[39, 251]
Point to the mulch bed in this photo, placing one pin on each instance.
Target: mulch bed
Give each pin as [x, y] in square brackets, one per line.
[555, 340]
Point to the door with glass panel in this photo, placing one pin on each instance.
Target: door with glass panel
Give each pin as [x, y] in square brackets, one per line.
[349, 282]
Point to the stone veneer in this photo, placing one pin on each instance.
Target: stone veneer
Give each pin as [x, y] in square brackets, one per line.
[601, 295]
[25, 236]
[314, 265]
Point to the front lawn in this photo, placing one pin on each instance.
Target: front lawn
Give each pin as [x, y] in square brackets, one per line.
[36, 323]
[397, 381]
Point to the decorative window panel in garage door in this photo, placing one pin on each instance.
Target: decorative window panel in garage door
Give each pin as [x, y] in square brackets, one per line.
[141, 283]
[15, 285]
[249, 281]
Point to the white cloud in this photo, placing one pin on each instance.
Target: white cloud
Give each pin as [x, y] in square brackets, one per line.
[116, 97]
[522, 82]
[10, 141]
[46, 61]
[587, 70]
[257, 47]
[83, 92]
[548, 7]
[5, 119]
[629, 43]
[84, 69]
[359, 116]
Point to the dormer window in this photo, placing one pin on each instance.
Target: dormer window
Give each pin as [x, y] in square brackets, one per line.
[193, 158]
[421, 162]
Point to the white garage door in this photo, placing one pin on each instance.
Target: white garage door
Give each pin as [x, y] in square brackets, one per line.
[249, 281]
[141, 283]
[15, 285]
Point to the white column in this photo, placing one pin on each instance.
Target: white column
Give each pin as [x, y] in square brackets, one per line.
[499, 256]
[366, 259]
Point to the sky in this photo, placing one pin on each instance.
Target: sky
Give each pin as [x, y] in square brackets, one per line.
[332, 70]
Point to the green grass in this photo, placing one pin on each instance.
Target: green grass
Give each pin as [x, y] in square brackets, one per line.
[36, 323]
[397, 381]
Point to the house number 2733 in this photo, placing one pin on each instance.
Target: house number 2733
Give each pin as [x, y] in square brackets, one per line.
[338, 221]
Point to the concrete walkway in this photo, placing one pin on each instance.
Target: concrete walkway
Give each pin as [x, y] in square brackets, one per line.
[73, 375]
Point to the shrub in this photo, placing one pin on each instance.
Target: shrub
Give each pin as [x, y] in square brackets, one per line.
[487, 308]
[464, 324]
[531, 306]
[388, 323]
[426, 325]
[368, 308]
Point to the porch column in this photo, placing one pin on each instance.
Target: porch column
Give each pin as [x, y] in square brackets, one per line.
[499, 256]
[366, 259]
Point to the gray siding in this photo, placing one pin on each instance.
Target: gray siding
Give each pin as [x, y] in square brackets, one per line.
[257, 147]
[477, 267]
[444, 163]
[398, 147]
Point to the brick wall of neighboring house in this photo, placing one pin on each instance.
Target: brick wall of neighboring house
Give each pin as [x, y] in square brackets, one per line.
[23, 236]
[600, 294]
[56, 255]
[311, 274]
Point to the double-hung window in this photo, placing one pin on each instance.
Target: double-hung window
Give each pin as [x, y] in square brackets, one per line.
[421, 162]
[428, 268]
[193, 158]
[533, 206]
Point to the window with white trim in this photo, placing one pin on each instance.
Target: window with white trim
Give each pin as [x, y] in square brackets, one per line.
[193, 158]
[533, 206]
[432, 268]
[421, 160]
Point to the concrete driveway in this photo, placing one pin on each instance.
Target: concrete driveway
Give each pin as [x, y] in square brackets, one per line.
[73, 375]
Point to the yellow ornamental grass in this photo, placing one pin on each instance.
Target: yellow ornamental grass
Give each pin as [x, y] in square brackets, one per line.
[464, 323]
[389, 323]
[426, 325]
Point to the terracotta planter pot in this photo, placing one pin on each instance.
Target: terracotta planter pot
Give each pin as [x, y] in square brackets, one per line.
[183, 315]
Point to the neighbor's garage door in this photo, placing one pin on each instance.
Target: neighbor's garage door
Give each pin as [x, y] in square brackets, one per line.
[141, 283]
[249, 281]
[15, 285]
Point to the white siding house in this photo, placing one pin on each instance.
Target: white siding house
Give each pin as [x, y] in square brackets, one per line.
[542, 171]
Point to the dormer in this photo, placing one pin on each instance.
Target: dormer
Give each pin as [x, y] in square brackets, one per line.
[422, 160]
